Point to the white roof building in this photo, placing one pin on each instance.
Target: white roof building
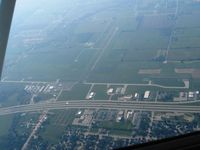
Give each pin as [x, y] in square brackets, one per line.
[110, 91]
[79, 112]
[51, 87]
[91, 95]
[146, 94]
[191, 94]
[128, 114]
[136, 95]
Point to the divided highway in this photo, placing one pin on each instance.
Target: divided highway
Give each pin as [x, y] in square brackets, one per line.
[100, 104]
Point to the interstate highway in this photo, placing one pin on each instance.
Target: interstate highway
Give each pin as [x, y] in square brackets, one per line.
[100, 104]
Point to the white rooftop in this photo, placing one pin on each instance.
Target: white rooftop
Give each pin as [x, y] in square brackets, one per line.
[146, 94]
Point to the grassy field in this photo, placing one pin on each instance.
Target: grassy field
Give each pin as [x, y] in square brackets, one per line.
[107, 43]
[56, 124]
[101, 92]
[78, 92]
[6, 122]
[13, 94]
[117, 128]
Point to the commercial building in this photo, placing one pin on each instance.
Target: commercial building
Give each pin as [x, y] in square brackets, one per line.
[146, 94]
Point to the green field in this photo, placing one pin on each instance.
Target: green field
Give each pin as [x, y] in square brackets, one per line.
[56, 124]
[100, 92]
[116, 128]
[6, 122]
[107, 43]
[78, 92]
[13, 94]
[92, 46]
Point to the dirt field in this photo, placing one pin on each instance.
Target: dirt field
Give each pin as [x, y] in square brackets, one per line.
[149, 71]
[194, 72]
